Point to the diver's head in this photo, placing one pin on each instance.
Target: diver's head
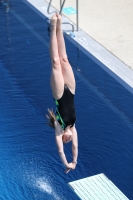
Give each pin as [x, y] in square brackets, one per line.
[67, 136]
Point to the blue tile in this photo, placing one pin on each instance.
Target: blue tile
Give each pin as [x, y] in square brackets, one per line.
[69, 10]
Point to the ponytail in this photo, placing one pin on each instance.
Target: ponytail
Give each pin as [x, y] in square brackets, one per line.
[51, 118]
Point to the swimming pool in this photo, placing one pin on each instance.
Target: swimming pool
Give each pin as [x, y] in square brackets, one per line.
[30, 166]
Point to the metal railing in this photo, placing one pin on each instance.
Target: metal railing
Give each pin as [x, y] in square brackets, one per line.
[60, 12]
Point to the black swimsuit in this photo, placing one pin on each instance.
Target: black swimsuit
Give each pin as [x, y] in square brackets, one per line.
[65, 109]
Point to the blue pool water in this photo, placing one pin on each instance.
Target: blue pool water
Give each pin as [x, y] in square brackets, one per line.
[30, 167]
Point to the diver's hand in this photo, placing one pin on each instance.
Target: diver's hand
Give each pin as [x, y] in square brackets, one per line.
[74, 165]
[69, 167]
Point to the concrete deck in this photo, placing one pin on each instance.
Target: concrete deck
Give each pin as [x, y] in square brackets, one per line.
[109, 22]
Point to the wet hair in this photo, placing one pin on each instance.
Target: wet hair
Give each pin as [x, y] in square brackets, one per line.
[51, 118]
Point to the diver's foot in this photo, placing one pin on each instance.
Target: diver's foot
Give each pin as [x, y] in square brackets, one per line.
[59, 22]
[53, 22]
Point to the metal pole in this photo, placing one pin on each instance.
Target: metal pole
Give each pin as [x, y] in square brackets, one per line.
[49, 6]
[60, 12]
[62, 7]
[69, 24]
[77, 15]
[60, 3]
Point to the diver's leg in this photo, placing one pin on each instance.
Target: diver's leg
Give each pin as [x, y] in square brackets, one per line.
[67, 71]
[56, 79]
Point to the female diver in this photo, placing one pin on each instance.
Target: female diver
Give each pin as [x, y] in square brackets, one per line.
[62, 83]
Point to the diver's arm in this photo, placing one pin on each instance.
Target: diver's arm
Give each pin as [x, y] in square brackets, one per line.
[59, 142]
[74, 145]
[74, 150]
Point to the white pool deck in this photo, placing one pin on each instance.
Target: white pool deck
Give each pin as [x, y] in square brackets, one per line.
[97, 187]
[108, 22]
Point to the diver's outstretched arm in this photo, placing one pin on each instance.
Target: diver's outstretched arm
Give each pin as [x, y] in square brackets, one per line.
[59, 142]
[74, 145]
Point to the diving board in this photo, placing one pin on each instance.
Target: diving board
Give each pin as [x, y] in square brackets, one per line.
[97, 187]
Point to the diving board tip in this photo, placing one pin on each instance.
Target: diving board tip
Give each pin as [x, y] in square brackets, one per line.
[97, 187]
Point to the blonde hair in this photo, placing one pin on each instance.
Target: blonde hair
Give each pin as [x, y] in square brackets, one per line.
[51, 118]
